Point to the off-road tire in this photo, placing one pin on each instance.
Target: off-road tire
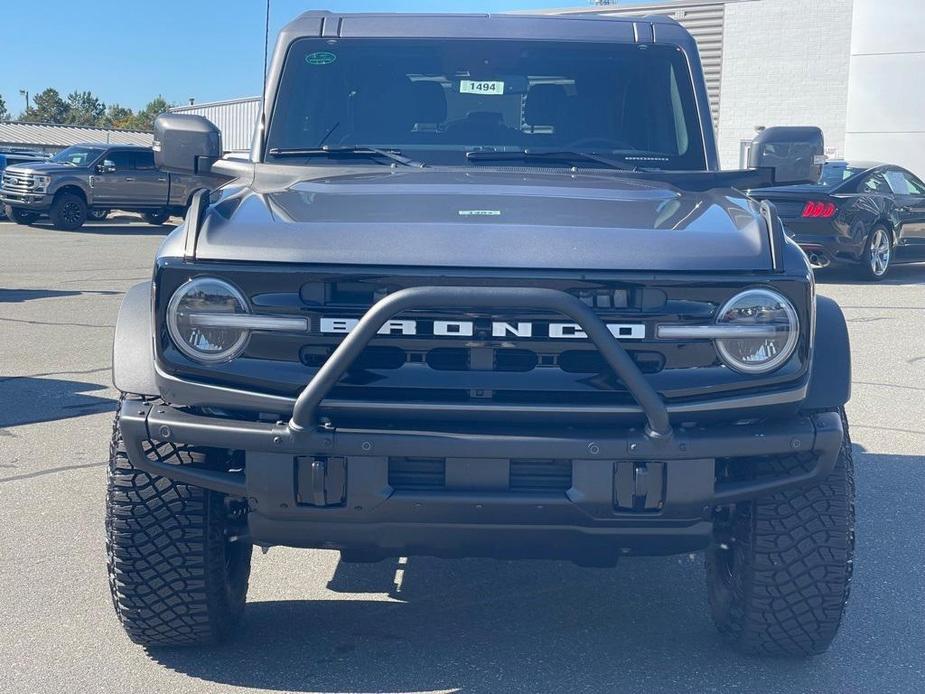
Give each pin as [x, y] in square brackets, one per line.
[156, 217]
[779, 579]
[20, 216]
[864, 269]
[68, 212]
[176, 578]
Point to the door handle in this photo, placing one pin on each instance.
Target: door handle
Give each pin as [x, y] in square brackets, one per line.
[162, 180]
[129, 178]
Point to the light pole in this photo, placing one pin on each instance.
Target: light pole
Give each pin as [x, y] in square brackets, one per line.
[25, 93]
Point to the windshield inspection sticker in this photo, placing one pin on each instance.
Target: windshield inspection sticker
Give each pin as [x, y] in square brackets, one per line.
[320, 58]
[487, 88]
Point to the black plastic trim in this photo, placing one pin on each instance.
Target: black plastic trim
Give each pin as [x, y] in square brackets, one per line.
[820, 434]
[830, 376]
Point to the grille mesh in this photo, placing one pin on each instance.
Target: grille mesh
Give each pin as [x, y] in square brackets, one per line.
[526, 476]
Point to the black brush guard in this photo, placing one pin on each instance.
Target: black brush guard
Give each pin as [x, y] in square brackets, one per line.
[304, 412]
[272, 449]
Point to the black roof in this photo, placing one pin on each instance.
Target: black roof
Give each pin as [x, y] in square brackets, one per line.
[584, 27]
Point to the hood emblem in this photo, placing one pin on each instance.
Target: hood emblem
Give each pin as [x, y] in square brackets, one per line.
[480, 213]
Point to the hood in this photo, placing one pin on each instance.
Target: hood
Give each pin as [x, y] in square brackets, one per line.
[493, 219]
[43, 167]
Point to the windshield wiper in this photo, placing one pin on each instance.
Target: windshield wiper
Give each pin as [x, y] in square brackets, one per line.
[549, 155]
[347, 151]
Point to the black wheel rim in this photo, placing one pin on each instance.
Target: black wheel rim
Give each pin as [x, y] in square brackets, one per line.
[70, 213]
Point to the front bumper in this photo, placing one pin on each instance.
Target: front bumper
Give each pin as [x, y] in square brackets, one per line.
[628, 492]
[470, 492]
[31, 201]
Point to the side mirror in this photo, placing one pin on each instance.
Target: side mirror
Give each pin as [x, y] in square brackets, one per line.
[796, 154]
[106, 167]
[186, 144]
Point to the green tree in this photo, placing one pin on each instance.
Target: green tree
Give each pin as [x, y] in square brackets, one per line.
[144, 119]
[4, 114]
[118, 117]
[84, 109]
[47, 107]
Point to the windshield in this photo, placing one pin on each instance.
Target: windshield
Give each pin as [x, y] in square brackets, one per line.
[437, 100]
[76, 156]
[834, 173]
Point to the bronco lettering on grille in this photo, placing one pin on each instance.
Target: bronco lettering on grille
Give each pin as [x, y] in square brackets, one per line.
[462, 328]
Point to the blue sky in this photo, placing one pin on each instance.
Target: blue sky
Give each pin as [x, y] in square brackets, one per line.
[129, 51]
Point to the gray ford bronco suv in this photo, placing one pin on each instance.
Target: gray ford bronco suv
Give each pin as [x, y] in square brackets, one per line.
[482, 290]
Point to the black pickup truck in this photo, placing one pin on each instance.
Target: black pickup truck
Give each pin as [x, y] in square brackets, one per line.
[481, 289]
[86, 181]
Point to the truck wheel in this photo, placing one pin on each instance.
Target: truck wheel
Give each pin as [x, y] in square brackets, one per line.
[176, 574]
[156, 217]
[98, 215]
[20, 216]
[878, 255]
[68, 212]
[780, 572]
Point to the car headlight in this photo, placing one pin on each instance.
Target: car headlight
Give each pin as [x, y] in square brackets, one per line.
[770, 331]
[40, 183]
[201, 320]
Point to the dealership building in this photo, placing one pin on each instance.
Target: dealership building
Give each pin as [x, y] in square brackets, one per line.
[851, 67]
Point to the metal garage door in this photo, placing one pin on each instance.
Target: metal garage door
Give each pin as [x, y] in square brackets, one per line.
[705, 22]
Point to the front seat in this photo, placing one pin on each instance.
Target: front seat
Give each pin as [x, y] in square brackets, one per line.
[382, 112]
[547, 105]
[428, 106]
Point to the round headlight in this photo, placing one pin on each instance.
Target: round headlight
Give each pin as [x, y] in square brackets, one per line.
[198, 320]
[770, 331]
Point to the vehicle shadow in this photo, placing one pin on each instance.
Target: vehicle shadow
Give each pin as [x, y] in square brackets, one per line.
[29, 399]
[475, 625]
[18, 296]
[902, 274]
[117, 227]
[464, 625]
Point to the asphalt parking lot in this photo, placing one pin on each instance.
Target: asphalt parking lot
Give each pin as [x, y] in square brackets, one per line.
[424, 625]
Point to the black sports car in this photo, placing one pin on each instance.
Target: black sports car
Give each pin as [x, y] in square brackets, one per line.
[868, 215]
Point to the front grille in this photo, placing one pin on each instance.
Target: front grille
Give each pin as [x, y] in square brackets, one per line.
[417, 474]
[585, 361]
[541, 475]
[527, 476]
[17, 183]
[505, 359]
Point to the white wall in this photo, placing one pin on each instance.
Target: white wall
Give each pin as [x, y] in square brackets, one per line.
[886, 89]
[785, 62]
[236, 119]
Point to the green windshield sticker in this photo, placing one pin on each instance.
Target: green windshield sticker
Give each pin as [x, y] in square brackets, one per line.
[320, 58]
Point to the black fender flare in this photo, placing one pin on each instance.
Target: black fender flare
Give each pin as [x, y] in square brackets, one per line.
[133, 346]
[830, 376]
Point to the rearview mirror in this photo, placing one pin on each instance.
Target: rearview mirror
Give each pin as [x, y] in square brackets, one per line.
[185, 143]
[796, 154]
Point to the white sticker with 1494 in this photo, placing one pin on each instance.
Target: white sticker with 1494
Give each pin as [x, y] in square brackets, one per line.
[475, 87]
